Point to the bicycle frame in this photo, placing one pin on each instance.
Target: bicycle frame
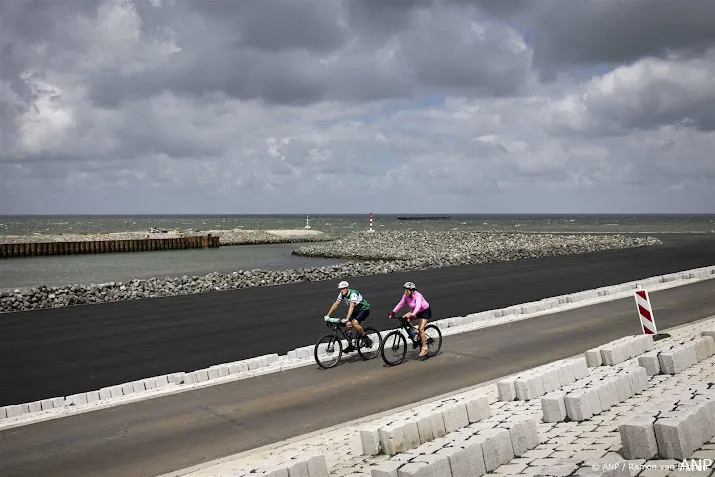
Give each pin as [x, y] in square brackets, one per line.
[405, 324]
[342, 327]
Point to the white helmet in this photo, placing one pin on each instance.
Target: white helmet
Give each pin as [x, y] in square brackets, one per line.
[343, 284]
[410, 286]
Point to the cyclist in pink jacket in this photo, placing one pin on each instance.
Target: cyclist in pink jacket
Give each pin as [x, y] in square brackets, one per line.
[420, 309]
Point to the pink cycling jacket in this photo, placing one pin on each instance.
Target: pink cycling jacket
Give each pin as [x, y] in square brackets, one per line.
[416, 301]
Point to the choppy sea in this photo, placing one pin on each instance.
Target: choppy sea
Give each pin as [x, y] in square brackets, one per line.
[86, 269]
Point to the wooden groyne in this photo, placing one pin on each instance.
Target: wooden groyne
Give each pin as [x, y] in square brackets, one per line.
[31, 249]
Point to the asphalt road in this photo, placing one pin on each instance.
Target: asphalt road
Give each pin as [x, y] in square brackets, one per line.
[161, 435]
[58, 352]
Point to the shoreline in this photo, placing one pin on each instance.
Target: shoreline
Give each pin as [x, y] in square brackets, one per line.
[365, 254]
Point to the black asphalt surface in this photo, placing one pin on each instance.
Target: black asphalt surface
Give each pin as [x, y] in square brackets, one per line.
[165, 434]
[58, 352]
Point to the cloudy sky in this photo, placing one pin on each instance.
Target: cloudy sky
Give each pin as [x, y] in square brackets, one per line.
[328, 106]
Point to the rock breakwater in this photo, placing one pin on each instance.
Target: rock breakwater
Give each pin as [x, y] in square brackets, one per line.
[440, 249]
[368, 254]
[227, 237]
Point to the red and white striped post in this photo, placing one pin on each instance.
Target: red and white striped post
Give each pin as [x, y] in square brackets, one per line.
[645, 312]
[371, 229]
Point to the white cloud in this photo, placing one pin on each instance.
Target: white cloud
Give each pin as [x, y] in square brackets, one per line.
[150, 106]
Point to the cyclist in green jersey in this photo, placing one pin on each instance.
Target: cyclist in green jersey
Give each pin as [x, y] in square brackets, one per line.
[358, 310]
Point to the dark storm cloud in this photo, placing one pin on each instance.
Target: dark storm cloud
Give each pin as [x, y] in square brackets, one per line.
[567, 33]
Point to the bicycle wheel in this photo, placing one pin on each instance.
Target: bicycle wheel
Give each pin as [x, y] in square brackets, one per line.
[372, 351]
[433, 336]
[394, 348]
[328, 351]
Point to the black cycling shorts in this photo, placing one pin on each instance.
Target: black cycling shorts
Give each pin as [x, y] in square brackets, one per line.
[360, 315]
[426, 313]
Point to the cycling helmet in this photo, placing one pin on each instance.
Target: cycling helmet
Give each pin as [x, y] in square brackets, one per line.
[410, 286]
[343, 284]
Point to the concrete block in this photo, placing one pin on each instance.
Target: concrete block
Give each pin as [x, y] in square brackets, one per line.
[58, 402]
[475, 454]
[17, 410]
[699, 424]
[553, 407]
[177, 378]
[386, 468]
[424, 426]
[45, 404]
[638, 438]
[524, 433]
[437, 464]
[703, 346]
[580, 368]
[594, 402]
[496, 448]
[458, 459]
[412, 435]
[3, 412]
[437, 425]
[161, 381]
[392, 438]
[638, 344]
[297, 467]
[370, 439]
[507, 389]
[270, 471]
[710, 345]
[607, 393]
[202, 375]
[612, 354]
[455, 416]
[527, 386]
[648, 343]
[678, 359]
[566, 373]
[213, 373]
[624, 387]
[127, 388]
[414, 469]
[77, 399]
[593, 358]
[630, 349]
[650, 362]
[639, 379]
[92, 396]
[317, 465]
[35, 406]
[577, 405]
[672, 437]
[149, 383]
[550, 379]
[138, 386]
[708, 404]
[105, 393]
[477, 408]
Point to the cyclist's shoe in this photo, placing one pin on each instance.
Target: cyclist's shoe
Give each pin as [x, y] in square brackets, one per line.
[367, 342]
[416, 344]
[349, 349]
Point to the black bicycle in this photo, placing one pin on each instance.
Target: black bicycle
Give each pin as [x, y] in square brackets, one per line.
[329, 348]
[394, 344]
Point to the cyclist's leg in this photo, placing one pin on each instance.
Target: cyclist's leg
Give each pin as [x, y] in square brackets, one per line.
[424, 317]
[358, 318]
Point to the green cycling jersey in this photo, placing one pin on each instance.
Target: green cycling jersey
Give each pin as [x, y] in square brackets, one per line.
[356, 297]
